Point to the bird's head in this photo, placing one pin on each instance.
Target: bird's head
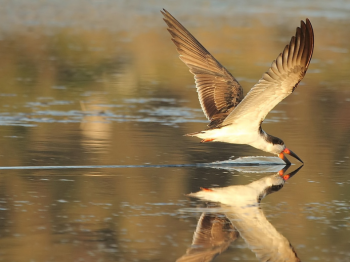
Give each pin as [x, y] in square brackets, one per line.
[279, 148]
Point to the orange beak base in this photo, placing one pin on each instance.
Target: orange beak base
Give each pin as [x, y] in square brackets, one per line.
[289, 152]
[282, 156]
[288, 176]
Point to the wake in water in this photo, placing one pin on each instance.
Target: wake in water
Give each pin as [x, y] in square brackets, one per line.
[250, 164]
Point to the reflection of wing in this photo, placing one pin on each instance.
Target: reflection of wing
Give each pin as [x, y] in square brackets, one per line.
[218, 91]
[213, 235]
[242, 208]
[260, 235]
[279, 81]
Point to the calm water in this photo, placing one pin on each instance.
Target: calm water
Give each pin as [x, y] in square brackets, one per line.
[99, 83]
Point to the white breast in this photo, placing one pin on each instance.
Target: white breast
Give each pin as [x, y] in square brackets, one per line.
[240, 134]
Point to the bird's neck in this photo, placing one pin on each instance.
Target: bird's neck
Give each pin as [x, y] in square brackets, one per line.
[269, 138]
[268, 143]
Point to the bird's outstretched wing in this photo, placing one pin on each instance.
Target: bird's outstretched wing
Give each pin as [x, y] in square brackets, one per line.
[278, 82]
[218, 91]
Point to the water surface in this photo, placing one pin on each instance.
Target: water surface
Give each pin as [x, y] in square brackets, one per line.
[99, 83]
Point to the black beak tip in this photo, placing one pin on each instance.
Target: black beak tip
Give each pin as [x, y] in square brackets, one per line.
[291, 153]
[288, 163]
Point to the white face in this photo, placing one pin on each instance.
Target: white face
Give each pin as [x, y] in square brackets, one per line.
[267, 143]
[277, 149]
[262, 144]
[272, 184]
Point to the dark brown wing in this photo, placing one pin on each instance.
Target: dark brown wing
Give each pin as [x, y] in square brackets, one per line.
[218, 91]
[278, 82]
[213, 235]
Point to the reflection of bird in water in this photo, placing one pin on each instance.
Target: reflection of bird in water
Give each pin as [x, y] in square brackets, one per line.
[235, 119]
[241, 207]
[213, 235]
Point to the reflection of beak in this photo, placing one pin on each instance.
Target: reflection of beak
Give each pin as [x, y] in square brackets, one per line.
[288, 176]
[289, 152]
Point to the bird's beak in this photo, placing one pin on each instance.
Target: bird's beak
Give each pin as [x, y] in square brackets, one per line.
[288, 176]
[289, 152]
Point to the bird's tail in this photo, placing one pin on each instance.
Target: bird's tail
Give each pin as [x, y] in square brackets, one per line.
[204, 139]
[193, 134]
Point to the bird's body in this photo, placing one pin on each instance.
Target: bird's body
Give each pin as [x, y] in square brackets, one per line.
[242, 195]
[233, 118]
[242, 133]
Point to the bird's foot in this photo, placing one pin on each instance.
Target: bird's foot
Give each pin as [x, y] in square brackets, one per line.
[206, 189]
[207, 140]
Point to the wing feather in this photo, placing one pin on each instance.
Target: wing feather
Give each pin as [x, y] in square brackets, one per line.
[218, 91]
[278, 82]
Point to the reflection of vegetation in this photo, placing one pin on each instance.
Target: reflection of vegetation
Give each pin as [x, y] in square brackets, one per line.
[83, 58]
[62, 57]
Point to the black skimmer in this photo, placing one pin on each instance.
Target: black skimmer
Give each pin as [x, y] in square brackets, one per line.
[233, 118]
[241, 205]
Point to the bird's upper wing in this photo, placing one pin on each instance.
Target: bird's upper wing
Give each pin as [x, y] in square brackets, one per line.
[278, 82]
[218, 91]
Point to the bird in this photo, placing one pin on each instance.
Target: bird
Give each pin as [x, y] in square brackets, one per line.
[234, 118]
[241, 206]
